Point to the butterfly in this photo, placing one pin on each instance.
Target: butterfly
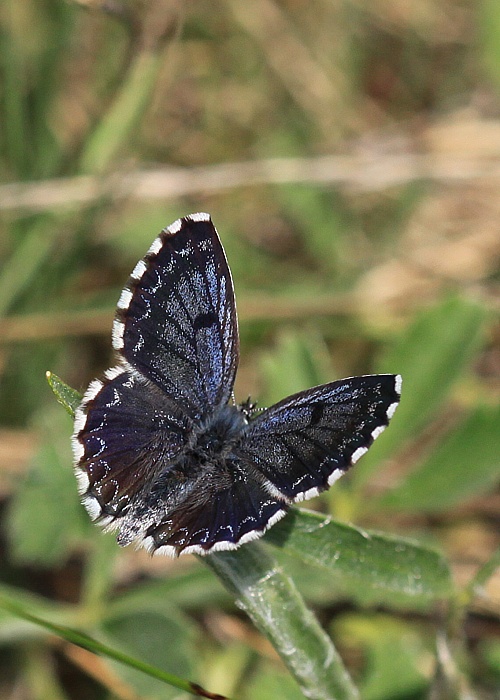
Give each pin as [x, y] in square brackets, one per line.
[162, 452]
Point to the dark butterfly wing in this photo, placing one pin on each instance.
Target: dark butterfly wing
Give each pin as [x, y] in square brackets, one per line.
[176, 319]
[176, 330]
[139, 472]
[226, 507]
[306, 442]
[290, 452]
[126, 432]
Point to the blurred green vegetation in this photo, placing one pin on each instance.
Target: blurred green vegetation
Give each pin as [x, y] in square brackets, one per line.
[348, 153]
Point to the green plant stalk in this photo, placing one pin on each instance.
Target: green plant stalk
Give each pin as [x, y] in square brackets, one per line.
[271, 600]
[85, 642]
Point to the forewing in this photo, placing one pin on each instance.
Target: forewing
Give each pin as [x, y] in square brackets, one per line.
[176, 319]
[126, 432]
[306, 442]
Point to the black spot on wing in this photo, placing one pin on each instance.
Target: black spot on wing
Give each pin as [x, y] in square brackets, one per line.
[317, 413]
[204, 321]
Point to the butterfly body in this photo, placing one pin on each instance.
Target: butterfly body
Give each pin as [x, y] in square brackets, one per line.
[220, 432]
[161, 451]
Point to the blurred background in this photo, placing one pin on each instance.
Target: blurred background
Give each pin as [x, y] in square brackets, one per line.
[349, 154]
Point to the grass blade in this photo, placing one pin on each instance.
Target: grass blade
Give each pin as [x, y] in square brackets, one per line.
[84, 641]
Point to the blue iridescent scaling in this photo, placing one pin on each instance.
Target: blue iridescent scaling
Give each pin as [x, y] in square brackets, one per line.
[161, 452]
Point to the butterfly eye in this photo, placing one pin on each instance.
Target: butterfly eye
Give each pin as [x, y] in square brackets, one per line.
[249, 407]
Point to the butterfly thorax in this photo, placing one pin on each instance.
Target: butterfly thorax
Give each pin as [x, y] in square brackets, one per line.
[218, 433]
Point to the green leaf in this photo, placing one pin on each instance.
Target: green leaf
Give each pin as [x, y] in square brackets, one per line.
[430, 357]
[157, 637]
[383, 639]
[45, 518]
[367, 567]
[67, 397]
[27, 260]
[15, 629]
[271, 600]
[273, 684]
[489, 650]
[464, 465]
[324, 220]
[298, 362]
[488, 45]
[193, 587]
[124, 114]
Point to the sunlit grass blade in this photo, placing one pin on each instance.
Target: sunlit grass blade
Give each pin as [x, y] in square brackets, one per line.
[84, 641]
[26, 261]
[115, 128]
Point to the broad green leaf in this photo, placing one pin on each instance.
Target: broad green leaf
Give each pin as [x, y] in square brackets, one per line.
[430, 357]
[383, 639]
[367, 567]
[157, 637]
[269, 597]
[45, 518]
[464, 465]
[272, 684]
